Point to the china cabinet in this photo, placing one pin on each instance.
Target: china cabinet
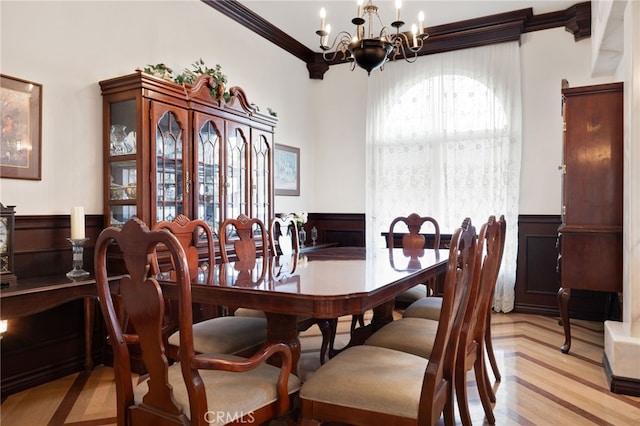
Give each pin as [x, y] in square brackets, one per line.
[171, 149]
[590, 235]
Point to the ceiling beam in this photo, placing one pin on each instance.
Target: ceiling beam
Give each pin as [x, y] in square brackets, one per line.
[475, 32]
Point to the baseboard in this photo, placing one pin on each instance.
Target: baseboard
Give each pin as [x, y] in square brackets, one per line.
[621, 385]
[20, 382]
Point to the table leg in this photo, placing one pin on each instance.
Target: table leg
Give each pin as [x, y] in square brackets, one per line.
[283, 328]
[382, 315]
[89, 318]
[564, 294]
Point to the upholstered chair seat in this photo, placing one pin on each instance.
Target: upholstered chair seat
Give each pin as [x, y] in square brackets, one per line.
[227, 335]
[427, 308]
[227, 391]
[397, 395]
[411, 335]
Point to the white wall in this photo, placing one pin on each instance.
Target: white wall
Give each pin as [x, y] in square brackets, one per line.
[70, 46]
[547, 57]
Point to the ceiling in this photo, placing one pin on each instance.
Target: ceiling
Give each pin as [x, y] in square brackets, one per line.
[301, 19]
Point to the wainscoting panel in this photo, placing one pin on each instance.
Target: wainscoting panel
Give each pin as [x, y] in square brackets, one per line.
[344, 229]
[537, 280]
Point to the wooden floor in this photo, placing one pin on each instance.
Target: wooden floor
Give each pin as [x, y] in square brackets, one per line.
[540, 385]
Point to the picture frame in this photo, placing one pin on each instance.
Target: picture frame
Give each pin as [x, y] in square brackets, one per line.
[286, 167]
[21, 139]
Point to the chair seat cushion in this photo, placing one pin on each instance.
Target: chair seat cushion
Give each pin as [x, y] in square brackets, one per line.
[411, 335]
[414, 293]
[227, 392]
[226, 335]
[246, 312]
[369, 378]
[428, 308]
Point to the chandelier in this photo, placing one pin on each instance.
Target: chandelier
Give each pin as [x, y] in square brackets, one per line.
[371, 50]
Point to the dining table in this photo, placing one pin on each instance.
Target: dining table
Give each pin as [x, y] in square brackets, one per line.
[324, 284]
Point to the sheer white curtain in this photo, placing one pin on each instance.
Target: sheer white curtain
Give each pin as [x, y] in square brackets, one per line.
[444, 140]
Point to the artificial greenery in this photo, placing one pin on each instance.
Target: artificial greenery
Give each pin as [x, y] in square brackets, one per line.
[199, 68]
[189, 76]
[159, 70]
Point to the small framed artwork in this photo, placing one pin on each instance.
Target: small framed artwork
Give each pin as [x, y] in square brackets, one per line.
[20, 143]
[286, 166]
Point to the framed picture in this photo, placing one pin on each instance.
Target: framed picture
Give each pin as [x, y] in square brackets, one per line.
[20, 143]
[286, 166]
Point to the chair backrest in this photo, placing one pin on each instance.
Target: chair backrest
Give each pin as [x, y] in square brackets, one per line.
[143, 303]
[283, 236]
[242, 231]
[437, 386]
[414, 240]
[189, 233]
[494, 248]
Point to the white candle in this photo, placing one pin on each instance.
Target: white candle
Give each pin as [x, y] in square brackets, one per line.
[323, 14]
[413, 31]
[325, 39]
[398, 5]
[359, 2]
[77, 223]
[421, 20]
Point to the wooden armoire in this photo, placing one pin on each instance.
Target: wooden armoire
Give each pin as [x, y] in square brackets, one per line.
[590, 235]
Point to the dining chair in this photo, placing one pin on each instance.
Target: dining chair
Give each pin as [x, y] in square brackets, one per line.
[284, 242]
[242, 232]
[429, 307]
[415, 335]
[414, 240]
[197, 389]
[367, 385]
[220, 334]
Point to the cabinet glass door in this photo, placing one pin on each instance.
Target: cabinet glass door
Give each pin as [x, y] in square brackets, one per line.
[260, 177]
[207, 186]
[236, 164]
[122, 164]
[169, 136]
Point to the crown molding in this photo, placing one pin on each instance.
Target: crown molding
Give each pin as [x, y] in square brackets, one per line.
[498, 28]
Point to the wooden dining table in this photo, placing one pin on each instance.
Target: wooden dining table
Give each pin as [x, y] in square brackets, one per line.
[325, 284]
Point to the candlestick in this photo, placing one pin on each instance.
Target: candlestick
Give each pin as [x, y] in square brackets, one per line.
[77, 223]
[78, 257]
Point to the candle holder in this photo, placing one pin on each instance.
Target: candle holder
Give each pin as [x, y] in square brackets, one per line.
[78, 257]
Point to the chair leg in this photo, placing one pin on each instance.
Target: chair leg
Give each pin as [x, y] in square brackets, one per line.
[460, 386]
[449, 410]
[327, 329]
[489, 345]
[483, 387]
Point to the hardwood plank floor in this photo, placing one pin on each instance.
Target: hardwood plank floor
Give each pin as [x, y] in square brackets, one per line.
[540, 385]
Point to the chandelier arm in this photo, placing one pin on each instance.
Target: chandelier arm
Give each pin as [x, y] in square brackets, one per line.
[340, 43]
